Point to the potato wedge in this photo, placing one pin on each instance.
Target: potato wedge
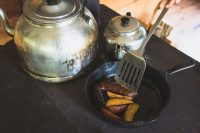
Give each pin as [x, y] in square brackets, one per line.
[116, 108]
[113, 95]
[114, 88]
[118, 101]
[109, 114]
[130, 112]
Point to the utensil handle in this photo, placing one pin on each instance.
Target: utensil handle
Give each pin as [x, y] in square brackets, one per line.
[181, 66]
[53, 2]
[152, 30]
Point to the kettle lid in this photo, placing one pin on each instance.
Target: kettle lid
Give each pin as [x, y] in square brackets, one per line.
[124, 25]
[48, 11]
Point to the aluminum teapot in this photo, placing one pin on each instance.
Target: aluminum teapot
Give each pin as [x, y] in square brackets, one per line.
[56, 39]
[122, 34]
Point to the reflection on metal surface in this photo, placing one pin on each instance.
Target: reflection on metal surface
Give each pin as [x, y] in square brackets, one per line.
[123, 33]
[55, 51]
[61, 50]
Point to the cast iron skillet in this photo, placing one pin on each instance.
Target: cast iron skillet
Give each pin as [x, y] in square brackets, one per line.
[154, 92]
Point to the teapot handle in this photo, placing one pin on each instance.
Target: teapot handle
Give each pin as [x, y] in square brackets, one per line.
[53, 2]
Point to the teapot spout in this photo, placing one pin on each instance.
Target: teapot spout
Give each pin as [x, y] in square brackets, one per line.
[6, 25]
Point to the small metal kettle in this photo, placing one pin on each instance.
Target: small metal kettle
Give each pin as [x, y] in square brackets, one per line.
[122, 34]
[56, 39]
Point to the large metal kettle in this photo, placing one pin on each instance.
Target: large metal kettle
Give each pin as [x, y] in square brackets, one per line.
[122, 34]
[56, 39]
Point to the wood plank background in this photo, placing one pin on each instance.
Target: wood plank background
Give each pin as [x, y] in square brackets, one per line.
[184, 18]
[12, 10]
[144, 10]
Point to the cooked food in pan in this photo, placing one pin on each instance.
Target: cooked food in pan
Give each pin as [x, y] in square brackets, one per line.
[119, 106]
[115, 102]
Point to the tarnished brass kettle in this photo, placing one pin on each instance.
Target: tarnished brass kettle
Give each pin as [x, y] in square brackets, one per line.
[56, 39]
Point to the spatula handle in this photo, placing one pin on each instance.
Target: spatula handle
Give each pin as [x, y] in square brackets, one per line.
[152, 30]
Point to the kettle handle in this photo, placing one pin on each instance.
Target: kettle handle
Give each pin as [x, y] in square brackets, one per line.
[86, 17]
[6, 25]
[84, 3]
[53, 2]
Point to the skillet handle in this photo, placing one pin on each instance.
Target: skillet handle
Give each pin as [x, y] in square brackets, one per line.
[181, 66]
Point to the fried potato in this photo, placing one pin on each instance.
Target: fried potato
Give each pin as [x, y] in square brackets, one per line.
[130, 112]
[118, 101]
[115, 88]
[109, 114]
[113, 95]
[116, 108]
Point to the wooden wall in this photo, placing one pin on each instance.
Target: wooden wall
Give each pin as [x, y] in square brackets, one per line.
[144, 10]
[12, 10]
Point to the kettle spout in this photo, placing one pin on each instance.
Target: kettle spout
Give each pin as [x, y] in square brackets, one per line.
[6, 25]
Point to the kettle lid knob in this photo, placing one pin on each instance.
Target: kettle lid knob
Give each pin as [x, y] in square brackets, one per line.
[125, 21]
[51, 11]
[128, 14]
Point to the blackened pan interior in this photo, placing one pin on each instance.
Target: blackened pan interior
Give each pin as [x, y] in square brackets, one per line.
[154, 94]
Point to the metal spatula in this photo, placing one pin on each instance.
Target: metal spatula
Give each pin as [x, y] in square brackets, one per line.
[132, 66]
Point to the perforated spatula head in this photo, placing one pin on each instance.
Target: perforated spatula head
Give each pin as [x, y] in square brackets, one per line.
[132, 66]
[130, 71]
